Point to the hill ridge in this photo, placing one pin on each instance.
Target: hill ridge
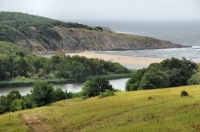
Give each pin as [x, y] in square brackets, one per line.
[42, 35]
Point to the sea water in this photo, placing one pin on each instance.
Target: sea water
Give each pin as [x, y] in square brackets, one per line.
[184, 32]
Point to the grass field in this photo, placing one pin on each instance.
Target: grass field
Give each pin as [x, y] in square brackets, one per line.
[161, 110]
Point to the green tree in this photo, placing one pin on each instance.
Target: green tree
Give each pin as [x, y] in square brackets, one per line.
[59, 94]
[134, 82]
[154, 79]
[42, 93]
[98, 84]
[4, 104]
[17, 104]
[168, 73]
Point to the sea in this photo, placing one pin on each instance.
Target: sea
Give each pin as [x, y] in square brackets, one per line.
[184, 32]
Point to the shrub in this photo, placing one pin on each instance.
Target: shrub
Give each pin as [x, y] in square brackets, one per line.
[195, 79]
[184, 93]
[106, 93]
[17, 104]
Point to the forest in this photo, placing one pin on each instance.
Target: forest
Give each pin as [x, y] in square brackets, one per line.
[19, 64]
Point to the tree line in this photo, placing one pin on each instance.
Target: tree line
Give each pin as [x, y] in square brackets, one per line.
[42, 93]
[16, 63]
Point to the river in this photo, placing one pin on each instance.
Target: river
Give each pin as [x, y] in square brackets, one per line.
[76, 87]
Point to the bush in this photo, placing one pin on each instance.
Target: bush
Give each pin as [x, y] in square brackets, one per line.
[184, 93]
[106, 93]
[17, 104]
[58, 95]
[98, 84]
[195, 79]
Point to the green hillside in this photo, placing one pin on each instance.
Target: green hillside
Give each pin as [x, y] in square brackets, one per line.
[140, 111]
[17, 27]
[39, 34]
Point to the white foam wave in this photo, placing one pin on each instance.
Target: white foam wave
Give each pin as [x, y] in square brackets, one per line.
[195, 47]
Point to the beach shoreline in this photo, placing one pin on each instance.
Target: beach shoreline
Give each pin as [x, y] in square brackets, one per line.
[124, 60]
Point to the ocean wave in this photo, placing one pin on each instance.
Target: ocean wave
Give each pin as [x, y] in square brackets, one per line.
[133, 33]
[195, 47]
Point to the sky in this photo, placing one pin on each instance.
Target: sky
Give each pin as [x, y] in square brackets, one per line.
[106, 9]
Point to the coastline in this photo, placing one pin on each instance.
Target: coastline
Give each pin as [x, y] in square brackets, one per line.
[124, 60]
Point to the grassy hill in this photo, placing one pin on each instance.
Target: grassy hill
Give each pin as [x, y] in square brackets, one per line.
[40, 34]
[139, 111]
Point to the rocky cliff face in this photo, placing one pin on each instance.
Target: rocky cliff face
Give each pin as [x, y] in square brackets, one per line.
[82, 39]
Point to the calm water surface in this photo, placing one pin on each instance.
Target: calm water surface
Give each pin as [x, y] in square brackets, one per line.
[118, 84]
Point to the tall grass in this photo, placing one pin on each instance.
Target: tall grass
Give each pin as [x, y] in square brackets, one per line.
[139, 111]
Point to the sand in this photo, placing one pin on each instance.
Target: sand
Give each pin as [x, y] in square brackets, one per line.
[142, 61]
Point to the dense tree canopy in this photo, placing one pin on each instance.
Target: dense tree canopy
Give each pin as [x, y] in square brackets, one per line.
[42, 93]
[168, 73]
[15, 62]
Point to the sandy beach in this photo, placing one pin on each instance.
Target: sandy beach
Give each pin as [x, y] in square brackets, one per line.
[142, 61]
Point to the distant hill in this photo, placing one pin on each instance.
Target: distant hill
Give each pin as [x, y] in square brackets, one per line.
[39, 35]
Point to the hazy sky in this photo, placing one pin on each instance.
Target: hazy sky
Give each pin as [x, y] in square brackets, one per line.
[106, 9]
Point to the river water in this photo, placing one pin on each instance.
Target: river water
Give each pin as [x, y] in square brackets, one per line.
[76, 87]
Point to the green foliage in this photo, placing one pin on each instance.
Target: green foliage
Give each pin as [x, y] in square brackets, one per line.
[42, 93]
[106, 93]
[19, 65]
[6, 101]
[168, 73]
[4, 104]
[28, 99]
[17, 104]
[58, 95]
[15, 26]
[133, 83]
[154, 78]
[184, 93]
[98, 28]
[195, 79]
[98, 84]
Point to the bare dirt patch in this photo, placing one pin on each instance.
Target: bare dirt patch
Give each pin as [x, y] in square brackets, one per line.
[33, 122]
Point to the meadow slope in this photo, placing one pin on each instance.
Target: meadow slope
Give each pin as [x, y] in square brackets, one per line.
[139, 111]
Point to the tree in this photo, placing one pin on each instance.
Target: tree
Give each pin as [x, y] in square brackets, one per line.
[133, 83]
[98, 84]
[154, 79]
[4, 104]
[17, 104]
[12, 95]
[42, 93]
[58, 94]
